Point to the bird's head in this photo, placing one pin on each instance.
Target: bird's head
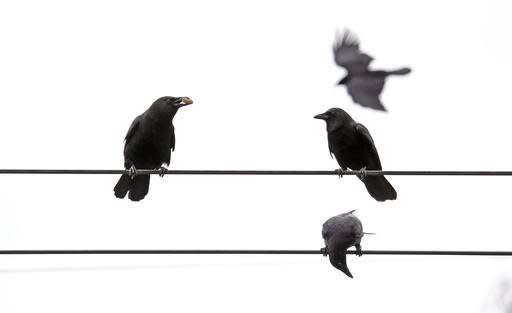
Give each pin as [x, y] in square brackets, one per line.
[171, 104]
[334, 118]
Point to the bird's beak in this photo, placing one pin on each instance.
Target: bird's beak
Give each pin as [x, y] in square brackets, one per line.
[322, 116]
[184, 101]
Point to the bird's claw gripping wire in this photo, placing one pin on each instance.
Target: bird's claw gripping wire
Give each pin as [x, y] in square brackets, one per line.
[162, 171]
[359, 252]
[362, 174]
[339, 171]
[324, 251]
[132, 171]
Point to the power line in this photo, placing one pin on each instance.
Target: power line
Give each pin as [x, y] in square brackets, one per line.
[253, 252]
[259, 172]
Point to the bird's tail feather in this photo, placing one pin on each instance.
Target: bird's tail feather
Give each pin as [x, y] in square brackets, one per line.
[401, 71]
[380, 188]
[339, 261]
[139, 187]
[123, 185]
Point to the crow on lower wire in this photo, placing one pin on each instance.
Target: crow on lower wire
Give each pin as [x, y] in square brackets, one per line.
[353, 147]
[363, 85]
[148, 145]
[341, 232]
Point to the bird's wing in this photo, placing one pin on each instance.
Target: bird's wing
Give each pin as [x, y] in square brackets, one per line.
[345, 238]
[366, 90]
[351, 238]
[347, 54]
[133, 128]
[325, 232]
[173, 139]
[325, 229]
[371, 155]
[358, 230]
[330, 151]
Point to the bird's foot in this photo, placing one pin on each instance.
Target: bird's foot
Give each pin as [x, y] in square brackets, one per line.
[162, 170]
[324, 251]
[132, 171]
[339, 171]
[359, 252]
[362, 174]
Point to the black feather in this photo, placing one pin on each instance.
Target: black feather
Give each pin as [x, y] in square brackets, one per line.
[353, 147]
[148, 145]
[363, 84]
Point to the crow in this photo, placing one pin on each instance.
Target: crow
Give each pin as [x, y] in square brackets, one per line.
[148, 145]
[363, 85]
[353, 147]
[341, 232]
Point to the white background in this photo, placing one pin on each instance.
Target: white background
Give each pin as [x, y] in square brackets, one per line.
[74, 75]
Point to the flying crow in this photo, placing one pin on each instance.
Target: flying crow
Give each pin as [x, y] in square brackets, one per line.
[363, 85]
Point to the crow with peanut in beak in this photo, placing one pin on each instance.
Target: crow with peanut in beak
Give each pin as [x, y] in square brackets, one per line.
[148, 145]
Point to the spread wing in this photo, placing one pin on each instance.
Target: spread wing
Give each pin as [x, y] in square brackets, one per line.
[347, 54]
[372, 157]
[366, 90]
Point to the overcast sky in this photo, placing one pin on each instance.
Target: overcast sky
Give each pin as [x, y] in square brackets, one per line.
[74, 75]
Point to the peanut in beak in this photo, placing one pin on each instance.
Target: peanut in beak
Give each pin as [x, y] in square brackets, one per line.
[187, 100]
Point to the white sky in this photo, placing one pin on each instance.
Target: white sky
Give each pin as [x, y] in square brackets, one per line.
[74, 75]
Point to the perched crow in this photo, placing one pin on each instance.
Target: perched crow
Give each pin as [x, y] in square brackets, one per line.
[148, 145]
[341, 232]
[363, 85]
[353, 147]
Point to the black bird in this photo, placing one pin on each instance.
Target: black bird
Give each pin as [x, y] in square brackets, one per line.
[363, 85]
[353, 148]
[341, 232]
[148, 145]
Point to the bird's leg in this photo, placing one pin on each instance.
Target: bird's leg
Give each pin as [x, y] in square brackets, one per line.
[324, 251]
[340, 172]
[359, 252]
[132, 171]
[163, 170]
[362, 174]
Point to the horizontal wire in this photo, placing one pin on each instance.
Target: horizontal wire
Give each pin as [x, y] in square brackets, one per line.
[296, 252]
[259, 172]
